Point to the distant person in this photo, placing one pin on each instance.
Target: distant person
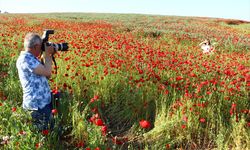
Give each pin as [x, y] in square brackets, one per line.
[34, 76]
[206, 47]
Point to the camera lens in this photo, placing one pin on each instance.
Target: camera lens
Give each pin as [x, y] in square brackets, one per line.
[60, 46]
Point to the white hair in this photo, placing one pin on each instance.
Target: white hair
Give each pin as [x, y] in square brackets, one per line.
[31, 39]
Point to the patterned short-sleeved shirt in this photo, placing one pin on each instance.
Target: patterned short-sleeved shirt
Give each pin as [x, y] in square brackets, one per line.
[36, 90]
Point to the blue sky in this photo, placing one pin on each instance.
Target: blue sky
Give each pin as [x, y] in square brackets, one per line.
[232, 9]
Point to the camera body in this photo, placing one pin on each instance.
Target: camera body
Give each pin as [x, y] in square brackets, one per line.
[57, 46]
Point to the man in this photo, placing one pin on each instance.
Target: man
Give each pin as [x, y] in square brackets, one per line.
[33, 77]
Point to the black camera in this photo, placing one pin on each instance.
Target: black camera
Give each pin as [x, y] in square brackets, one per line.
[57, 46]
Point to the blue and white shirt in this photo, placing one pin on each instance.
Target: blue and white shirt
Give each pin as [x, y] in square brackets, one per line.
[36, 90]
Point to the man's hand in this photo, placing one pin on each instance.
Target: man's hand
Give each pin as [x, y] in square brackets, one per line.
[46, 69]
[49, 50]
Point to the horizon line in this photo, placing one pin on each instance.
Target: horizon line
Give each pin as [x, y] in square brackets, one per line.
[149, 14]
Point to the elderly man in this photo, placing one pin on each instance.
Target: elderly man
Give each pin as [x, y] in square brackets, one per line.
[33, 77]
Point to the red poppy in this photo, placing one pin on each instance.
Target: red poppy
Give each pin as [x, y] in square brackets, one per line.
[13, 109]
[104, 129]
[37, 145]
[99, 122]
[97, 148]
[54, 111]
[202, 120]
[145, 124]
[185, 118]
[22, 132]
[45, 132]
[232, 109]
[80, 144]
[179, 78]
[192, 75]
[96, 97]
[166, 92]
[208, 92]
[183, 126]
[167, 146]
[92, 119]
[55, 91]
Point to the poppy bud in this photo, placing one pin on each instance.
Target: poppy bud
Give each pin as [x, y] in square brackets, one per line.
[104, 129]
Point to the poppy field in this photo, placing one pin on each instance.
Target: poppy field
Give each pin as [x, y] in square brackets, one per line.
[132, 82]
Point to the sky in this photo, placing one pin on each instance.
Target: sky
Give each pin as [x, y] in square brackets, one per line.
[229, 9]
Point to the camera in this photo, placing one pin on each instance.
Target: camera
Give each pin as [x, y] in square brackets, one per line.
[57, 46]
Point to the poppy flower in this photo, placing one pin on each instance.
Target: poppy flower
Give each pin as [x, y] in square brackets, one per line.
[45, 132]
[192, 75]
[95, 98]
[232, 109]
[80, 144]
[38, 145]
[185, 118]
[13, 109]
[167, 146]
[54, 111]
[92, 119]
[22, 133]
[104, 129]
[99, 122]
[145, 124]
[166, 92]
[55, 91]
[202, 120]
[183, 126]
[179, 78]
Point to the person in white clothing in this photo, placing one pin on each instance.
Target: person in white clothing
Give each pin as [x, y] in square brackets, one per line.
[206, 46]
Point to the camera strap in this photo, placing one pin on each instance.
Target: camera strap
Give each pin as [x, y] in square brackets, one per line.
[54, 60]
